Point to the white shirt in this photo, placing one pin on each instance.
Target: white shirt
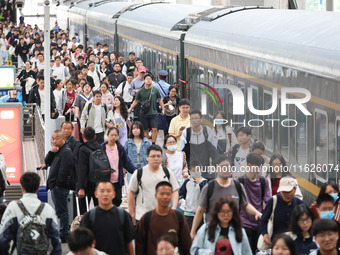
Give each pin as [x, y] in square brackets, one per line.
[59, 72]
[146, 200]
[40, 65]
[3, 44]
[126, 95]
[57, 95]
[42, 100]
[175, 164]
[98, 118]
[240, 159]
[95, 78]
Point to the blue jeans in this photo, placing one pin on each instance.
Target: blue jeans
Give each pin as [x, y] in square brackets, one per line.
[59, 197]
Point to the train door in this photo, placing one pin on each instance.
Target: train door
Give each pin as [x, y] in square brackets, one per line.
[321, 145]
[301, 137]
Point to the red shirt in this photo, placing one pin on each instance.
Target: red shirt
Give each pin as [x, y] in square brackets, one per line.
[275, 186]
[69, 100]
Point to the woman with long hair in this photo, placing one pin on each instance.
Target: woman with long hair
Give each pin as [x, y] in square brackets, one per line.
[136, 146]
[223, 232]
[332, 189]
[69, 65]
[283, 245]
[107, 97]
[277, 170]
[118, 159]
[174, 159]
[26, 75]
[171, 105]
[119, 117]
[224, 135]
[300, 226]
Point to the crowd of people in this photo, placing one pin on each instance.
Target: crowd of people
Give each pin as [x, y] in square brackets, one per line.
[206, 190]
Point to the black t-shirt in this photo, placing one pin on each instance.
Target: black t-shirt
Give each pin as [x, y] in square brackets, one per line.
[223, 245]
[111, 236]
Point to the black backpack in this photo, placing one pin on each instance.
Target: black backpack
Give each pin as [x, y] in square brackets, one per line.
[186, 148]
[90, 105]
[211, 186]
[99, 167]
[147, 219]
[32, 238]
[262, 181]
[237, 182]
[140, 173]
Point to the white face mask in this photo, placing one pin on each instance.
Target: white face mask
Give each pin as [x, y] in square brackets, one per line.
[172, 147]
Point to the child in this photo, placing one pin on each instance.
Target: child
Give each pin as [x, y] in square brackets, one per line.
[190, 192]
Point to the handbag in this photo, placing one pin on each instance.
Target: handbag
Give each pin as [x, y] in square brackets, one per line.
[261, 245]
[146, 105]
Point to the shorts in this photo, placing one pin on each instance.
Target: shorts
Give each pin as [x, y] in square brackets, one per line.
[149, 121]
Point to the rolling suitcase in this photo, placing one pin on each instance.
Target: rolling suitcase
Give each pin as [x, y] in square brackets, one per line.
[76, 221]
[42, 193]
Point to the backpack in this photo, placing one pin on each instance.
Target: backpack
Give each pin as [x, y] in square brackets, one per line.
[234, 151]
[140, 173]
[211, 186]
[262, 181]
[99, 166]
[90, 105]
[32, 238]
[92, 213]
[147, 219]
[186, 148]
[123, 86]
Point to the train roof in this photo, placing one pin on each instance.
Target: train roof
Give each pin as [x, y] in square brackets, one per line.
[158, 18]
[110, 9]
[306, 40]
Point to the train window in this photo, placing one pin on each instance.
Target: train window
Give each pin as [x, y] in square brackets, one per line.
[242, 86]
[230, 81]
[219, 81]
[268, 134]
[284, 134]
[321, 142]
[255, 130]
[201, 75]
[301, 137]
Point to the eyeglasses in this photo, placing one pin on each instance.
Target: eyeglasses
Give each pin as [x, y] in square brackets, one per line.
[305, 220]
[324, 235]
[223, 213]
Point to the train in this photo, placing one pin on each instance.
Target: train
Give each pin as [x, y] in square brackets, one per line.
[267, 54]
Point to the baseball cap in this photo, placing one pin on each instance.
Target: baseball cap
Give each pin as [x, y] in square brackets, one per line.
[287, 184]
[163, 73]
[142, 69]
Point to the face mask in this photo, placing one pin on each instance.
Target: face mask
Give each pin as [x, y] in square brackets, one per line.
[172, 147]
[195, 174]
[335, 196]
[329, 215]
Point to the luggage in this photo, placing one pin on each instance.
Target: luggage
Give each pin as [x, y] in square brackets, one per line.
[76, 221]
[42, 193]
[70, 204]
